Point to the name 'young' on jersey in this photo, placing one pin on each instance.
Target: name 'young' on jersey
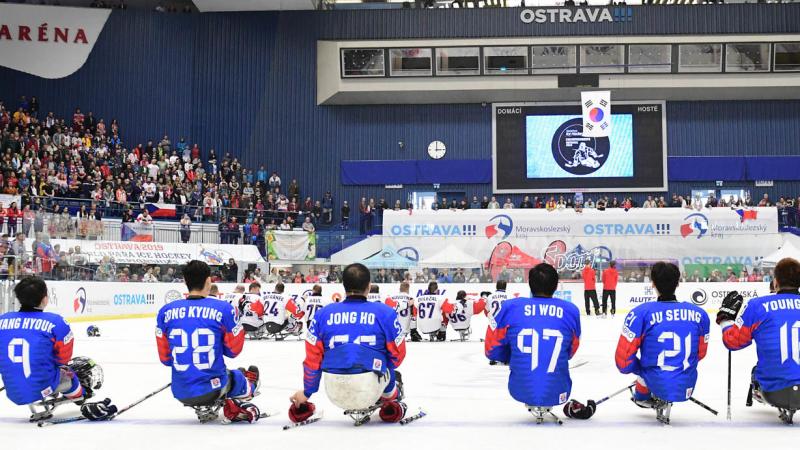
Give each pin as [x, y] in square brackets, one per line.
[354, 336]
[32, 347]
[773, 322]
[192, 336]
[536, 337]
[671, 338]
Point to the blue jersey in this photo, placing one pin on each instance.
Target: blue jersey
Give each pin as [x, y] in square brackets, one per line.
[774, 323]
[536, 337]
[354, 336]
[32, 347]
[671, 338]
[192, 337]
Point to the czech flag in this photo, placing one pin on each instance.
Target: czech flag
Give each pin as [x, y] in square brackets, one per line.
[160, 210]
[747, 214]
[135, 232]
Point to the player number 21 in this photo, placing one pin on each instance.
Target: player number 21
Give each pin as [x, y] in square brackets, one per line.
[197, 349]
[677, 348]
[533, 348]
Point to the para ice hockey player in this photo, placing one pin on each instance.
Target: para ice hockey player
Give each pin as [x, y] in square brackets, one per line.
[314, 302]
[431, 311]
[494, 301]
[670, 337]
[192, 336]
[375, 294]
[536, 337]
[463, 310]
[773, 322]
[276, 305]
[358, 345]
[36, 363]
[403, 305]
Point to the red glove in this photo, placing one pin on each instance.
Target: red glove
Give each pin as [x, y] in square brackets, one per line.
[393, 411]
[236, 411]
[302, 412]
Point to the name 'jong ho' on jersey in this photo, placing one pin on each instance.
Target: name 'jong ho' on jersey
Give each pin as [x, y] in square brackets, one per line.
[773, 322]
[536, 337]
[671, 338]
[192, 336]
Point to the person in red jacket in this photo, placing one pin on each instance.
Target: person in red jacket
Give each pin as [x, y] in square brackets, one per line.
[609, 279]
[589, 289]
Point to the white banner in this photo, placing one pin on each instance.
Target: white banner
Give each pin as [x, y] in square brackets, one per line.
[48, 41]
[97, 300]
[567, 239]
[291, 245]
[596, 108]
[157, 252]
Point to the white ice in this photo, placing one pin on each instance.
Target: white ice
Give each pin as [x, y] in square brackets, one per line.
[466, 400]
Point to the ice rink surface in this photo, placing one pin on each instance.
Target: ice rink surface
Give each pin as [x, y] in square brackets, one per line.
[466, 400]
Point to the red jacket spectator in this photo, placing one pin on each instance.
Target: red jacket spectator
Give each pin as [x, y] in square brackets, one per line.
[588, 276]
[610, 277]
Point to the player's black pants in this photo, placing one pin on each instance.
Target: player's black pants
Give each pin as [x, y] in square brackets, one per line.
[613, 296]
[591, 294]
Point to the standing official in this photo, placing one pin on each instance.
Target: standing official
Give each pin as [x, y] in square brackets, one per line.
[609, 279]
[589, 288]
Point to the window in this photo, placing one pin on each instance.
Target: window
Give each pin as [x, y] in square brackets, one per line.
[363, 62]
[405, 62]
[700, 58]
[602, 59]
[644, 58]
[787, 56]
[458, 61]
[747, 57]
[553, 59]
[505, 60]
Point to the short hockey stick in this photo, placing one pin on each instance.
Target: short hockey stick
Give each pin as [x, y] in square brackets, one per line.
[47, 423]
[704, 406]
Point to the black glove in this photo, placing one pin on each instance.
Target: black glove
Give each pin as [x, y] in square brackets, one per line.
[103, 410]
[577, 410]
[485, 294]
[731, 305]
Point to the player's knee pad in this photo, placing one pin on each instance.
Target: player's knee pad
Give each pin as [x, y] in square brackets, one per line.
[241, 388]
[69, 385]
[641, 391]
[354, 391]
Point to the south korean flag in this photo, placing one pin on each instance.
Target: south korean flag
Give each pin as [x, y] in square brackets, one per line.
[596, 113]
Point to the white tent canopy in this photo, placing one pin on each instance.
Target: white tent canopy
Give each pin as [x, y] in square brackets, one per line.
[449, 258]
[787, 250]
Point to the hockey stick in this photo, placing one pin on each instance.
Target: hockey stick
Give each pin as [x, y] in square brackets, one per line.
[729, 384]
[616, 393]
[576, 410]
[704, 406]
[114, 416]
[316, 418]
[2, 389]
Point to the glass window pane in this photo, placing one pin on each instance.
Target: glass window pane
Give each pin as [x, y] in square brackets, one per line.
[458, 61]
[406, 62]
[787, 56]
[505, 60]
[553, 59]
[700, 58]
[645, 58]
[746, 57]
[602, 59]
[363, 62]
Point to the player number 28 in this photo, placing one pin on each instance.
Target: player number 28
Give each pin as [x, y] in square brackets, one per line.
[197, 349]
[533, 348]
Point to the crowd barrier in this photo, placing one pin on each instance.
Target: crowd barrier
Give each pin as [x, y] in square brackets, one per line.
[87, 301]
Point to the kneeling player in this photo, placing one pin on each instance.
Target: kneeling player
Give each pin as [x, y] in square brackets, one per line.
[773, 322]
[358, 345]
[37, 367]
[277, 322]
[536, 337]
[193, 335]
[403, 305]
[671, 338]
[463, 310]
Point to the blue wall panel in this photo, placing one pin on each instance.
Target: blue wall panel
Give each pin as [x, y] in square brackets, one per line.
[245, 83]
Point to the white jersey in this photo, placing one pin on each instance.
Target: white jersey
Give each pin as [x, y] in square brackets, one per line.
[312, 304]
[402, 305]
[429, 312]
[251, 310]
[461, 317]
[235, 300]
[494, 301]
[275, 307]
[377, 298]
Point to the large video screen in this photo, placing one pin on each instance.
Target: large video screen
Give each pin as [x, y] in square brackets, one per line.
[540, 147]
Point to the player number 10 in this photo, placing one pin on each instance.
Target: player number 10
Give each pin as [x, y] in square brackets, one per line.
[533, 348]
[790, 346]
